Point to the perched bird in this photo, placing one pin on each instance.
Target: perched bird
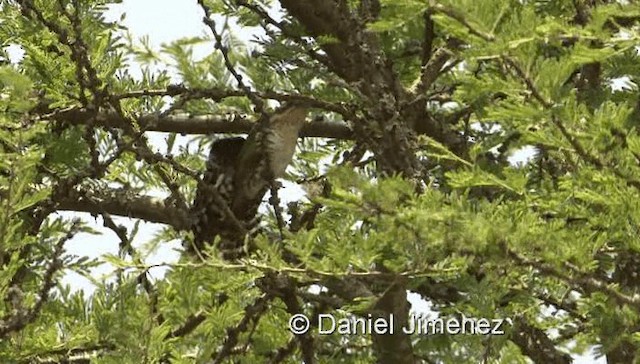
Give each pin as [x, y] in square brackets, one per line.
[238, 175]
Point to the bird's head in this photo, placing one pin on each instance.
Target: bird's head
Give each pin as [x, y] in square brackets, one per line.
[293, 114]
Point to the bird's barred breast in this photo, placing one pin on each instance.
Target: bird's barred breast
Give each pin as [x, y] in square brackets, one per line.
[282, 143]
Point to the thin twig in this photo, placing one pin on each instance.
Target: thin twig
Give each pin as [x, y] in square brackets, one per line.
[548, 105]
[21, 318]
[580, 282]
[460, 18]
[224, 50]
[253, 312]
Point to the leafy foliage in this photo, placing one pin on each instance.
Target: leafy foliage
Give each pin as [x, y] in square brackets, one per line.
[418, 108]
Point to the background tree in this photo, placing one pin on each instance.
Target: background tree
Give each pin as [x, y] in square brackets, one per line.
[416, 108]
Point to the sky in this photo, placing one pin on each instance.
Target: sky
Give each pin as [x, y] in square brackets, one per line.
[164, 21]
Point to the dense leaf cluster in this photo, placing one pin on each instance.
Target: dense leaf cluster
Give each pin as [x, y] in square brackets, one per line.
[480, 155]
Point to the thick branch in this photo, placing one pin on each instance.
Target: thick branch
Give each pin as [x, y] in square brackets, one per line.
[357, 58]
[394, 348]
[534, 343]
[202, 124]
[118, 202]
[389, 348]
[324, 18]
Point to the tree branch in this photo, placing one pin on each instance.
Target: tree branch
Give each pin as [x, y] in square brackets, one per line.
[199, 124]
[123, 203]
[534, 343]
[22, 317]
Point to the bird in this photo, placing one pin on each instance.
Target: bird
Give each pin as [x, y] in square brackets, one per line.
[238, 174]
